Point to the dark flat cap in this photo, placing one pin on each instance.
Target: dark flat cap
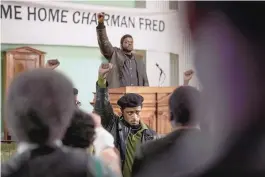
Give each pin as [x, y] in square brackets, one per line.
[130, 100]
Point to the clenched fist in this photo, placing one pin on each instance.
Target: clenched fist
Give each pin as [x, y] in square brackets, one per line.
[101, 17]
[52, 64]
[104, 69]
[187, 76]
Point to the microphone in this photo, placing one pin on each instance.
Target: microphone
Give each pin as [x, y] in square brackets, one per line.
[161, 72]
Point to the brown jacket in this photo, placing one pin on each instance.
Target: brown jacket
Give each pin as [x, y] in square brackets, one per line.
[117, 57]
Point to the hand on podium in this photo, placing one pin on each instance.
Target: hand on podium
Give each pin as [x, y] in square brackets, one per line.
[52, 64]
[188, 76]
[101, 17]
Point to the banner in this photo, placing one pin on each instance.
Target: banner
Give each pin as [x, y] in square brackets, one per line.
[60, 23]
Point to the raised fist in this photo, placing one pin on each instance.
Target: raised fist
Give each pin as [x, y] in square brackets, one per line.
[52, 64]
[104, 69]
[101, 17]
[187, 76]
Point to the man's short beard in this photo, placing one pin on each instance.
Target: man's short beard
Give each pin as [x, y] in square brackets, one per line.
[126, 50]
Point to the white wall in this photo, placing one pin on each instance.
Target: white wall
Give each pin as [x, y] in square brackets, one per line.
[163, 59]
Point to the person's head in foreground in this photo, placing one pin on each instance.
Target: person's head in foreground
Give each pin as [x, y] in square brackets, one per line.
[39, 106]
[229, 41]
[131, 107]
[81, 132]
[183, 104]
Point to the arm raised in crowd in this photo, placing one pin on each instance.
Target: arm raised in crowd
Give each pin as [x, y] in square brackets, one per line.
[187, 77]
[52, 64]
[102, 104]
[104, 44]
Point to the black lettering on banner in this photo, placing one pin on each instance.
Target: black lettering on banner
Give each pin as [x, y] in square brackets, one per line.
[115, 20]
[123, 22]
[6, 12]
[155, 25]
[76, 17]
[106, 19]
[11, 12]
[131, 22]
[64, 16]
[147, 24]
[18, 12]
[85, 17]
[141, 23]
[94, 19]
[30, 13]
[79, 17]
[162, 26]
[54, 15]
[42, 14]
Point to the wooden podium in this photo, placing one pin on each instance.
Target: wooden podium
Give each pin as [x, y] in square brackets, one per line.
[155, 111]
[16, 61]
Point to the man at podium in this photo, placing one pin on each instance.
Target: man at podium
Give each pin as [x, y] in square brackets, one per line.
[128, 70]
[128, 130]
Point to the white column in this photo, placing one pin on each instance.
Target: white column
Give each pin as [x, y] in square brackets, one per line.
[186, 54]
[159, 5]
[153, 57]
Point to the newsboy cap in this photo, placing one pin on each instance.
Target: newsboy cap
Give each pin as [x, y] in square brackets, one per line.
[130, 100]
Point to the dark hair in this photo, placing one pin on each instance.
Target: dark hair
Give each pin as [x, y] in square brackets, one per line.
[124, 37]
[183, 104]
[39, 106]
[81, 131]
[75, 91]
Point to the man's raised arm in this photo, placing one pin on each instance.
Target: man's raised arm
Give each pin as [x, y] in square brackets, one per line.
[103, 41]
[102, 105]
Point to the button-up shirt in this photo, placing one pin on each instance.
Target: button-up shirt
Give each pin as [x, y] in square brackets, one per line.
[129, 75]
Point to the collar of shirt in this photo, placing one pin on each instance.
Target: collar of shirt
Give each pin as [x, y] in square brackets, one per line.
[24, 146]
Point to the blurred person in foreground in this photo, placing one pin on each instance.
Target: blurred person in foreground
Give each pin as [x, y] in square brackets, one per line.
[39, 108]
[229, 40]
[177, 148]
[128, 130]
[86, 132]
[128, 70]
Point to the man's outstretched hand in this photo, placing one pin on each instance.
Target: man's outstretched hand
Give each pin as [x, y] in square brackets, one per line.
[52, 64]
[188, 76]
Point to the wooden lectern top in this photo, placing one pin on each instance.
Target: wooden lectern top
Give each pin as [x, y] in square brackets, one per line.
[140, 90]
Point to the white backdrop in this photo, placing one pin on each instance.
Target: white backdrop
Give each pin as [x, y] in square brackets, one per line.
[43, 23]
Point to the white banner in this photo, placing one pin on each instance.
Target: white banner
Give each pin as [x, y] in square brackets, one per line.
[61, 23]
